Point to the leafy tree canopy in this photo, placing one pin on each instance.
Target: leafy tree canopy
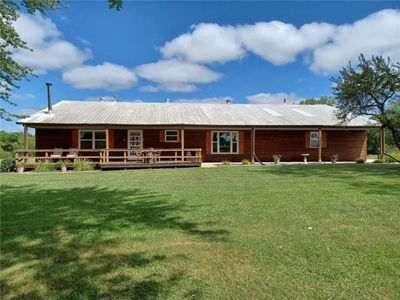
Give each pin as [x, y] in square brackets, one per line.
[11, 72]
[372, 89]
[322, 100]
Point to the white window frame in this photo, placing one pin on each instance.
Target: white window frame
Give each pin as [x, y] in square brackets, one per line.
[93, 138]
[311, 143]
[177, 136]
[231, 146]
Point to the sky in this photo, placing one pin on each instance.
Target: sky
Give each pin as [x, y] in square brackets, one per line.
[249, 52]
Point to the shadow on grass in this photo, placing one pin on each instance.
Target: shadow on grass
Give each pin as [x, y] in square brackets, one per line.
[378, 179]
[80, 243]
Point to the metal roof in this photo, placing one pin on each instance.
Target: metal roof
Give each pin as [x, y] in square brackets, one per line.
[195, 114]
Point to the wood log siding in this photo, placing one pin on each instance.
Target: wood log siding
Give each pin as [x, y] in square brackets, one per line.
[348, 144]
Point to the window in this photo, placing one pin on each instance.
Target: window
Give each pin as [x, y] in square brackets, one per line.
[224, 142]
[171, 135]
[314, 139]
[92, 139]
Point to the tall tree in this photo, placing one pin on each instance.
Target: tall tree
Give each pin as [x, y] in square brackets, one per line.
[11, 72]
[321, 100]
[371, 89]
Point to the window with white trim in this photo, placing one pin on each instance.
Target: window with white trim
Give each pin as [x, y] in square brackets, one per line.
[92, 139]
[172, 135]
[314, 139]
[225, 142]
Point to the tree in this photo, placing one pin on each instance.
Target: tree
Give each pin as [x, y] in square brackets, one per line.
[322, 100]
[11, 72]
[372, 89]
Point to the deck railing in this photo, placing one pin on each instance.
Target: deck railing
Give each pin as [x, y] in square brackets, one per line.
[109, 156]
[150, 155]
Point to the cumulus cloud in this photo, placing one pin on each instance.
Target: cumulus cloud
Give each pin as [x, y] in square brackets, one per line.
[206, 43]
[375, 34]
[212, 100]
[274, 98]
[175, 75]
[50, 50]
[280, 43]
[325, 47]
[106, 76]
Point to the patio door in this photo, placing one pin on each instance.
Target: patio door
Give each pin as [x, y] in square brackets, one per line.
[135, 141]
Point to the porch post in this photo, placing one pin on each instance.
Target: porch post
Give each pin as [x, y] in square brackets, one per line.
[382, 142]
[26, 144]
[253, 144]
[182, 134]
[319, 145]
[107, 144]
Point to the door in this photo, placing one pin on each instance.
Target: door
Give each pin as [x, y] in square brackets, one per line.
[135, 141]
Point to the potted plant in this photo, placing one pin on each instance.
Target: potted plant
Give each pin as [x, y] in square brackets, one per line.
[334, 158]
[20, 167]
[277, 158]
[62, 164]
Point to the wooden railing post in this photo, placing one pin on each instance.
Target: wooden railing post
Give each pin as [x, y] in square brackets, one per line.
[183, 144]
[319, 145]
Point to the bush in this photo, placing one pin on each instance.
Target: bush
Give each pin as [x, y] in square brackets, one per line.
[393, 152]
[360, 160]
[245, 162]
[83, 165]
[379, 161]
[7, 164]
[226, 162]
[44, 166]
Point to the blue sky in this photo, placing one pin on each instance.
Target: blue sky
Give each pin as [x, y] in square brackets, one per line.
[253, 52]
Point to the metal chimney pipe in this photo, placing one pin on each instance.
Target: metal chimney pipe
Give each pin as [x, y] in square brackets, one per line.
[49, 101]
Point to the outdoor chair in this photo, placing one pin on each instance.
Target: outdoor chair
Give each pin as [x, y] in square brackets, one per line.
[57, 153]
[72, 155]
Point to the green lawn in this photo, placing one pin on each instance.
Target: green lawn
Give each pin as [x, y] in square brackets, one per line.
[298, 231]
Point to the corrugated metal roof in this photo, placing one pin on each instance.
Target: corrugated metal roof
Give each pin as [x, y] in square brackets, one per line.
[133, 113]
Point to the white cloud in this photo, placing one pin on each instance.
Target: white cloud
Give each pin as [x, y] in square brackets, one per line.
[175, 75]
[280, 43]
[325, 47]
[206, 43]
[276, 98]
[376, 34]
[107, 76]
[215, 100]
[50, 51]
[22, 97]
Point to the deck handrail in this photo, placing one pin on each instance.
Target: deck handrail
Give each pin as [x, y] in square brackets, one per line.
[111, 155]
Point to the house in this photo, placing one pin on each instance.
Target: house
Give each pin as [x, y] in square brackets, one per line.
[116, 134]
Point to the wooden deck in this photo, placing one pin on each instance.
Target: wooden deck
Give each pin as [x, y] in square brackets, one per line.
[115, 158]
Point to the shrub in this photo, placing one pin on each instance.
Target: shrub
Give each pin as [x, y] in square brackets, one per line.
[379, 161]
[7, 164]
[360, 160]
[226, 162]
[44, 166]
[83, 165]
[245, 162]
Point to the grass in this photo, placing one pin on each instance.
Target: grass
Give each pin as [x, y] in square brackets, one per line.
[285, 231]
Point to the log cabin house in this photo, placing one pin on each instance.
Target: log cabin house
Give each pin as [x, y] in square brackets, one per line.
[128, 134]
